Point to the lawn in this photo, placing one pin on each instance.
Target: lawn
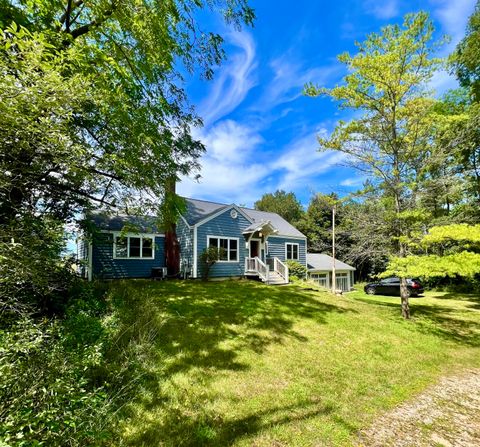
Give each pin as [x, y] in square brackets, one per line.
[240, 363]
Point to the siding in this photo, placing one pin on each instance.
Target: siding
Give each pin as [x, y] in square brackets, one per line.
[276, 248]
[185, 239]
[224, 225]
[104, 266]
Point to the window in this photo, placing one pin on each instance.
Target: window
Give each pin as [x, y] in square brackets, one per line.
[291, 251]
[230, 247]
[320, 279]
[133, 247]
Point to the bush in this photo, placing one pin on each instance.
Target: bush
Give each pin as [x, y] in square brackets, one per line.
[57, 387]
[296, 269]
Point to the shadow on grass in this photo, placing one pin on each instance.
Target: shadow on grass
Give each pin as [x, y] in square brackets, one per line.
[201, 329]
[213, 430]
[451, 323]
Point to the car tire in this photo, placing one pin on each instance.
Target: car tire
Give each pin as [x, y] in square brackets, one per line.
[371, 291]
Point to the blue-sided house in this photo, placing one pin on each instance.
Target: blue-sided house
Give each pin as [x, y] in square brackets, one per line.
[255, 243]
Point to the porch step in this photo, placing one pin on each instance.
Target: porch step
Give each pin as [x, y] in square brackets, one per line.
[275, 278]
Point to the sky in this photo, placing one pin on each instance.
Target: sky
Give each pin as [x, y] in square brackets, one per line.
[259, 130]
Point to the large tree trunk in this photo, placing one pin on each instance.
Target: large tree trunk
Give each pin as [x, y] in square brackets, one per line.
[172, 247]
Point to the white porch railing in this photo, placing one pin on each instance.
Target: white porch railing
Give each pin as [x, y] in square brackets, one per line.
[257, 266]
[281, 268]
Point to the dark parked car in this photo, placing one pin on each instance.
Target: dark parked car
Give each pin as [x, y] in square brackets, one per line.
[391, 286]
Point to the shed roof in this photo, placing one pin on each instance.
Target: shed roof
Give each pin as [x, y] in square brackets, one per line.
[323, 262]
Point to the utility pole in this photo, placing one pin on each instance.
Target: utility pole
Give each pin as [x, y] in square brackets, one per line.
[334, 277]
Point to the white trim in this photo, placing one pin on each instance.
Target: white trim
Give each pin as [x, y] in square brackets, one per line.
[228, 248]
[195, 251]
[90, 261]
[186, 223]
[298, 251]
[221, 211]
[141, 236]
[286, 236]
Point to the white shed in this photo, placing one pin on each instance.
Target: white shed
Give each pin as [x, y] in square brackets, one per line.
[320, 270]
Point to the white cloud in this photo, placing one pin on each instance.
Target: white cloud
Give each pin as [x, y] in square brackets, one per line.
[301, 162]
[353, 181]
[442, 81]
[453, 16]
[230, 170]
[234, 81]
[289, 78]
[234, 170]
[385, 9]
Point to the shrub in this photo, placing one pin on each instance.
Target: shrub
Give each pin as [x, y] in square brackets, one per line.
[59, 383]
[296, 269]
[208, 258]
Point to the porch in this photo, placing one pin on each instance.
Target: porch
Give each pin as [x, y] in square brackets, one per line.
[273, 271]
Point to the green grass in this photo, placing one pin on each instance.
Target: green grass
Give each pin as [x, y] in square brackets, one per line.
[239, 363]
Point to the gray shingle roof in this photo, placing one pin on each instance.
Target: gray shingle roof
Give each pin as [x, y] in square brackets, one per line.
[198, 210]
[142, 224]
[320, 261]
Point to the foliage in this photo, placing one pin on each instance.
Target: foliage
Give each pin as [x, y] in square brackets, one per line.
[296, 269]
[369, 227]
[387, 82]
[115, 67]
[454, 250]
[466, 58]
[34, 278]
[208, 258]
[465, 264]
[283, 203]
[51, 388]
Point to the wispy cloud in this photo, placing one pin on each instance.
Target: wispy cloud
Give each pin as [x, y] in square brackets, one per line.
[384, 10]
[289, 77]
[231, 170]
[235, 170]
[234, 80]
[353, 181]
[301, 162]
[453, 16]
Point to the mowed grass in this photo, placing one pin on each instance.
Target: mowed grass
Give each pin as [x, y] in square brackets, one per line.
[240, 363]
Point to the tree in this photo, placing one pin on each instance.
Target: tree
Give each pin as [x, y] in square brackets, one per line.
[466, 58]
[448, 251]
[367, 227]
[134, 124]
[283, 203]
[208, 258]
[93, 107]
[387, 82]
[316, 224]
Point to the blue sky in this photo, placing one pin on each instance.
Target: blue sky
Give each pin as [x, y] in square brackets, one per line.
[260, 132]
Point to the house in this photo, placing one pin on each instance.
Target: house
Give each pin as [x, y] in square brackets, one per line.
[255, 243]
[320, 267]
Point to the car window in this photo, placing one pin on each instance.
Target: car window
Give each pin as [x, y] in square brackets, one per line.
[389, 280]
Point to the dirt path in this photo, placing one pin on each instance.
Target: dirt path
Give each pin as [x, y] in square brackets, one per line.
[445, 415]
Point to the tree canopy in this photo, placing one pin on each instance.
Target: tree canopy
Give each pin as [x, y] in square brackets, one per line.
[285, 204]
[387, 83]
[116, 68]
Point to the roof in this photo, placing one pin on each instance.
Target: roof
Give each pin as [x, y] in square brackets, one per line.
[197, 210]
[117, 222]
[320, 261]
